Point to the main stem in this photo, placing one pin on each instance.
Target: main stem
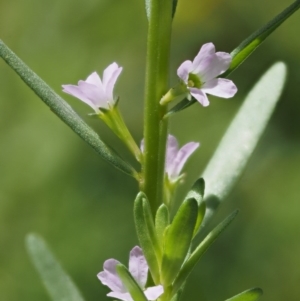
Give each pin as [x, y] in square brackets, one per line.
[155, 128]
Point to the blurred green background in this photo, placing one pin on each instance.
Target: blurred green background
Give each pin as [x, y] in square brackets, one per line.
[52, 183]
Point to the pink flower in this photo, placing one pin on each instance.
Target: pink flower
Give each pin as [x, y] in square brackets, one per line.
[200, 76]
[175, 157]
[139, 270]
[94, 92]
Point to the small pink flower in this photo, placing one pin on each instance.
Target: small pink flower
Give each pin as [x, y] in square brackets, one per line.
[200, 76]
[175, 157]
[138, 268]
[94, 92]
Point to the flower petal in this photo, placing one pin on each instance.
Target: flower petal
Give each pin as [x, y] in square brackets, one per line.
[94, 79]
[78, 93]
[110, 76]
[206, 51]
[200, 96]
[152, 293]
[184, 70]
[171, 152]
[94, 94]
[121, 296]
[110, 277]
[220, 87]
[214, 66]
[138, 266]
[183, 154]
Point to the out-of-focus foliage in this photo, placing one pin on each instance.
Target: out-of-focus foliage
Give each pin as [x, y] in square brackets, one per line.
[54, 184]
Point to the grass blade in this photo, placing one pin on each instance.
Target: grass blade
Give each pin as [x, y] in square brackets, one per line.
[250, 295]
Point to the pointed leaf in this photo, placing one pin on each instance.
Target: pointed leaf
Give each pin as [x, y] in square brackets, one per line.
[178, 240]
[63, 110]
[245, 49]
[250, 295]
[197, 191]
[144, 236]
[239, 141]
[199, 251]
[162, 220]
[58, 284]
[129, 282]
[242, 52]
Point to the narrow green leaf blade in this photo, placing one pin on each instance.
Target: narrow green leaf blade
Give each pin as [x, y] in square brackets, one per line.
[241, 138]
[145, 237]
[58, 284]
[245, 49]
[162, 220]
[253, 294]
[63, 110]
[199, 251]
[197, 191]
[200, 217]
[131, 285]
[178, 240]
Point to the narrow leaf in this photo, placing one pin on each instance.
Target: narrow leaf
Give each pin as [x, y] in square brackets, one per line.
[131, 285]
[250, 295]
[200, 217]
[197, 191]
[242, 52]
[63, 110]
[245, 49]
[178, 240]
[162, 220]
[199, 251]
[58, 284]
[239, 141]
[145, 237]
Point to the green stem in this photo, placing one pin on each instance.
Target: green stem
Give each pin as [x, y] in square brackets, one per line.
[155, 128]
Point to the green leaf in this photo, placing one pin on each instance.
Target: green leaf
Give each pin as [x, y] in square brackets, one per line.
[63, 110]
[239, 141]
[175, 2]
[197, 191]
[146, 235]
[200, 217]
[162, 220]
[242, 52]
[178, 240]
[131, 285]
[193, 259]
[250, 295]
[245, 49]
[58, 284]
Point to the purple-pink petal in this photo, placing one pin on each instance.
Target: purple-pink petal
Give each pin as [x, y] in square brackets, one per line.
[152, 293]
[200, 96]
[110, 76]
[213, 66]
[206, 51]
[171, 151]
[110, 277]
[94, 79]
[121, 296]
[220, 87]
[183, 154]
[184, 70]
[78, 93]
[138, 266]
